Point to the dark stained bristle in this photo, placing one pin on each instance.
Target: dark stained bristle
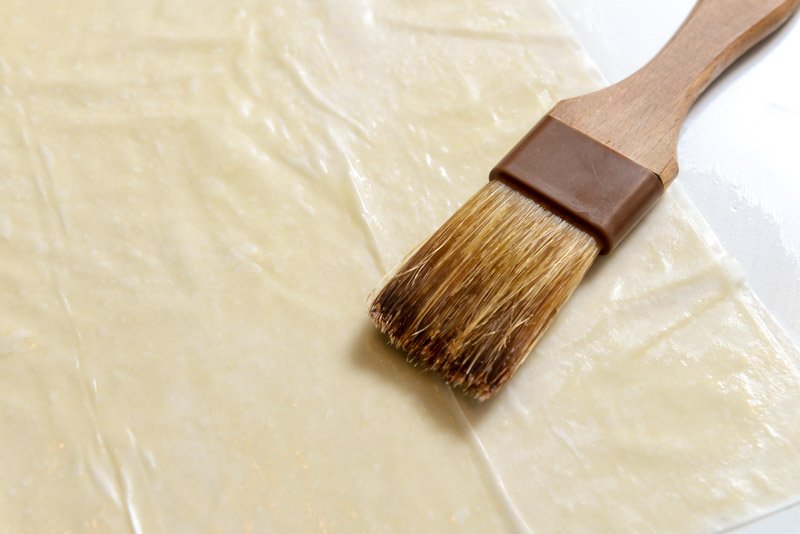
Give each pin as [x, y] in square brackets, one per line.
[473, 301]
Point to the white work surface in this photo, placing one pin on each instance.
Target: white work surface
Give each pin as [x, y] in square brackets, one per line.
[737, 152]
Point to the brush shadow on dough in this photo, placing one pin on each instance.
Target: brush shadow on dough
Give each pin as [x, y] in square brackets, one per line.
[372, 354]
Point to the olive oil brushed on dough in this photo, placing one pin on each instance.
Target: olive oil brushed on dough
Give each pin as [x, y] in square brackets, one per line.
[475, 299]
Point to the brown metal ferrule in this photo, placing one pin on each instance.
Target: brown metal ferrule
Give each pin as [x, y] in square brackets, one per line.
[581, 180]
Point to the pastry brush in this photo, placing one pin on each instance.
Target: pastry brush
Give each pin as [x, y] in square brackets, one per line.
[472, 301]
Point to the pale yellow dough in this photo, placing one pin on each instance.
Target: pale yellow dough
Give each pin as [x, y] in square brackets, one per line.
[196, 200]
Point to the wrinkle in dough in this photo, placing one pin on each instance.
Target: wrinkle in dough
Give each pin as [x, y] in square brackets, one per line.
[198, 198]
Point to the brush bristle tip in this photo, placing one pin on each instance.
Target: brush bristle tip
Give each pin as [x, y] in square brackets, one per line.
[472, 302]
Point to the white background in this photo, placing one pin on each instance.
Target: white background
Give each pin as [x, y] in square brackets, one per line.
[738, 154]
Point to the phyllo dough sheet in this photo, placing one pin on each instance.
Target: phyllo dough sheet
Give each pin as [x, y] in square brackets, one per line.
[197, 199]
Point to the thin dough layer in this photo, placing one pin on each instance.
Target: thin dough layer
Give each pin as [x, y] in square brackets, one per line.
[197, 199]
[664, 399]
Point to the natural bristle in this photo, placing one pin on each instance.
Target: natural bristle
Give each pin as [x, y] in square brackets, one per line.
[472, 302]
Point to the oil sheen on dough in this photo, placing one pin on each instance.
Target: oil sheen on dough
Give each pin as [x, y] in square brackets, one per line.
[197, 199]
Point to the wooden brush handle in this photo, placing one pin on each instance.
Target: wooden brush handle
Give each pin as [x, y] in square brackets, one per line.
[641, 116]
